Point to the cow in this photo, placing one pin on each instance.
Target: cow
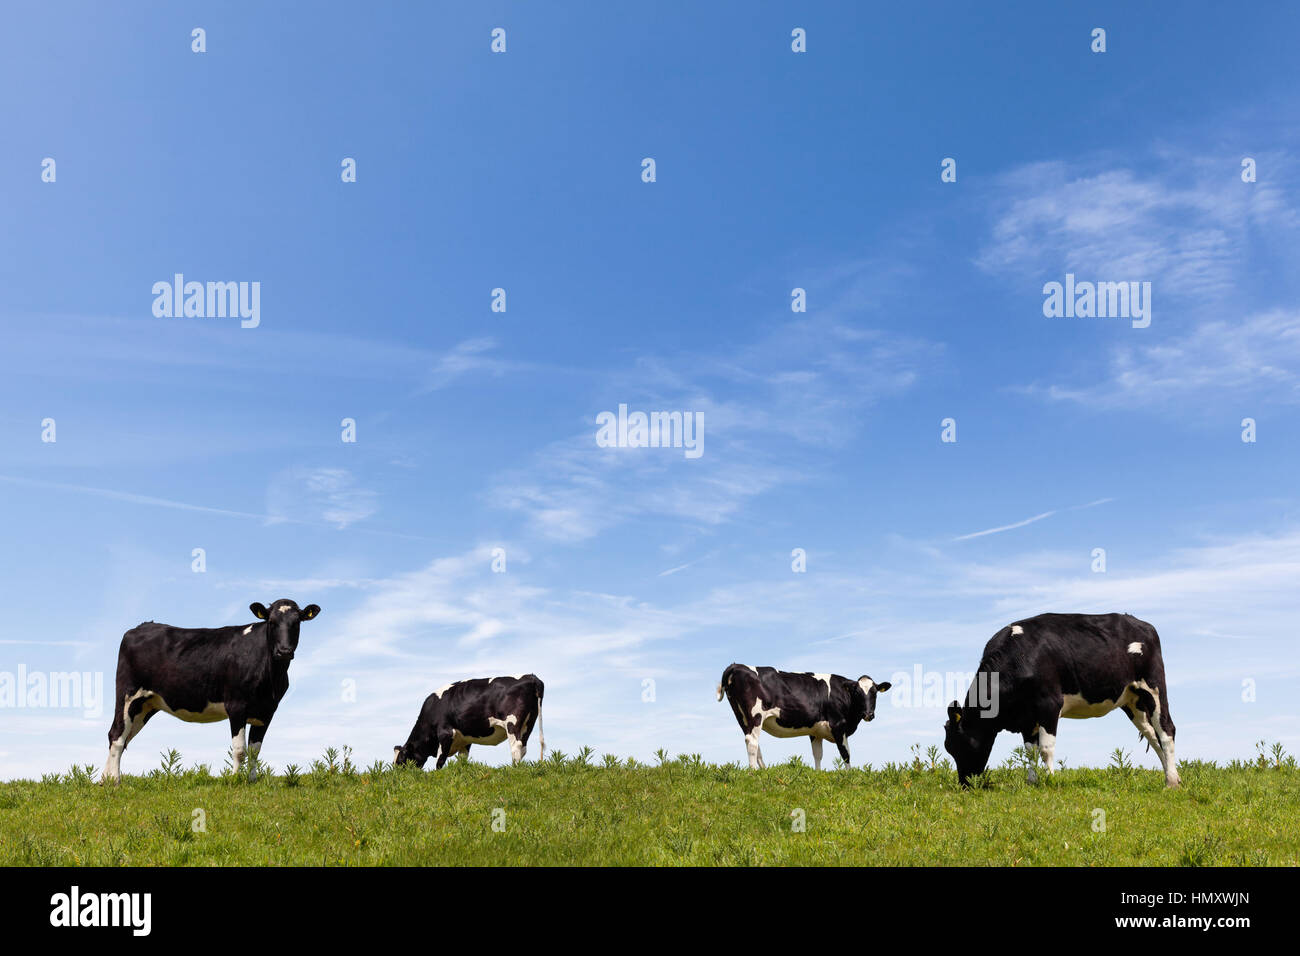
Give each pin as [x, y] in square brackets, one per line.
[820, 706]
[485, 710]
[1040, 669]
[203, 675]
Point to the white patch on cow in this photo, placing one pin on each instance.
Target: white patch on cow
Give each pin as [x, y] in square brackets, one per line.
[826, 679]
[444, 688]
[500, 729]
[284, 609]
[1016, 630]
[866, 684]
[210, 714]
[752, 670]
[248, 630]
[1135, 647]
[1076, 707]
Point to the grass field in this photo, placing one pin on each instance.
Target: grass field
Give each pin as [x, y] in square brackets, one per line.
[582, 810]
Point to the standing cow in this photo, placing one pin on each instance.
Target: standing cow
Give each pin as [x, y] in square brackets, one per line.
[820, 706]
[203, 675]
[1038, 670]
[486, 710]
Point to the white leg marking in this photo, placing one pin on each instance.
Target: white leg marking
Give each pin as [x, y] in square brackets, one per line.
[1047, 746]
[817, 752]
[751, 748]
[516, 748]
[237, 748]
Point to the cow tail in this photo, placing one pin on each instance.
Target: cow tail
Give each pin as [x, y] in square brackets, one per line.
[726, 677]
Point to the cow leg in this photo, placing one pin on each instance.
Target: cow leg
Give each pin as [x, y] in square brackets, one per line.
[1031, 752]
[817, 752]
[1146, 714]
[844, 751]
[517, 748]
[127, 722]
[236, 737]
[444, 750]
[1047, 742]
[255, 734]
[1164, 728]
[751, 745]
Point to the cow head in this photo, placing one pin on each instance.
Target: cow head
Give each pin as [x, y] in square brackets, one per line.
[282, 620]
[871, 689]
[967, 742]
[408, 754]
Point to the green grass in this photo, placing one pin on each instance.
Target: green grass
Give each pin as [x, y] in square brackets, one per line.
[681, 812]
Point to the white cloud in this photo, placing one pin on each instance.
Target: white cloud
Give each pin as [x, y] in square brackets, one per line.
[1205, 241]
[1218, 359]
[1188, 229]
[797, 390]
[331, 495]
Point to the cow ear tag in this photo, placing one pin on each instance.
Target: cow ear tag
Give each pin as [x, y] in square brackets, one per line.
[957, 716]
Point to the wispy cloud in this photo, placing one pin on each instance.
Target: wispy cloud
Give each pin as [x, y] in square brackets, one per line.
[327, 494]
[1190, 234]
[1256, 356]
[798, 389]
[468, 358]
[1021, 524]
[131, 497]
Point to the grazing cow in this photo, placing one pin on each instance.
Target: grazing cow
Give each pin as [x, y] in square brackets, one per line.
[202, 675]
[486, 710]
[820, 706]
[1038, 670]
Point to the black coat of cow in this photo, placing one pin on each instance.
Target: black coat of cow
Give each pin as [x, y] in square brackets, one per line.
[485, 710]
[820, 706]
[1038, 670]
[203, 675]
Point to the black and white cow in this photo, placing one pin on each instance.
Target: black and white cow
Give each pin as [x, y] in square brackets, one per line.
[485, 710]
[820, 706]
[1038, 670]
[203, 675]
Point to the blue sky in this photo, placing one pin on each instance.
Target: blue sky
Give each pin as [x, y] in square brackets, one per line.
[476, 429]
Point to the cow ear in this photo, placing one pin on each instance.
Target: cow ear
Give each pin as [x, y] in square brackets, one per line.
[881, 688]
[310, 611]
[954, 712]
[258, 609]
